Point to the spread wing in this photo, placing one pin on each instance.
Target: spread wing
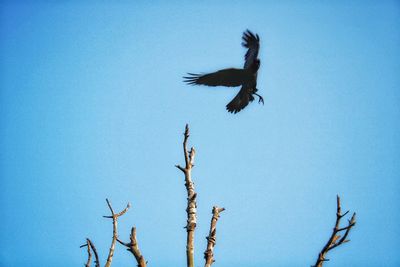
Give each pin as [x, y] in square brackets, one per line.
[240, 101]
[226, 77]
[252, 43]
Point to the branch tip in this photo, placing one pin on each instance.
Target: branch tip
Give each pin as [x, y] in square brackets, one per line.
[336, 240]
[211, 238]
[115, 230]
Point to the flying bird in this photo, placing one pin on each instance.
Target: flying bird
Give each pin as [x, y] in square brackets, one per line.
[233, 77]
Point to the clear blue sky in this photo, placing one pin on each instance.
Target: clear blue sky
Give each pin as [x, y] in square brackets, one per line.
[93, 105]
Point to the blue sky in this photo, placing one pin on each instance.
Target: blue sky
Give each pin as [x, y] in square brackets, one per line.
[92, 105]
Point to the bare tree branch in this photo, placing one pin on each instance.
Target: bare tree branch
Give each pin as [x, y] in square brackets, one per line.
[191, 199]
[336, 240]
[90, 246]
[89, 260]
[114, 217]
[134, 248]
[211, 239]
[96, 256]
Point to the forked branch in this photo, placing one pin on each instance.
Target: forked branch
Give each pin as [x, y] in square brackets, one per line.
[336, 240]
[134, 248]
[114, 216]
[191, 198]
[211, 239]
[89, 260]
[90, 247]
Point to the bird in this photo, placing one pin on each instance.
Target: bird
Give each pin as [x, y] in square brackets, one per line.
[234, 77]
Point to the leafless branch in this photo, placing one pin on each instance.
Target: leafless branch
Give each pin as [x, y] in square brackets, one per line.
[336, 240]
[191, 198]
[114, 216]
[90, 247]
[89, 260]
[211, 239]
[96, 256]
[134, 248]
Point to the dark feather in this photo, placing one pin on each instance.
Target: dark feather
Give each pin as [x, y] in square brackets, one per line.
[226, 77]
[240, 101]
[252, 42]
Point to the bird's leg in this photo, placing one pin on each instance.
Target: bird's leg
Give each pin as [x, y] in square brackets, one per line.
[261, 99]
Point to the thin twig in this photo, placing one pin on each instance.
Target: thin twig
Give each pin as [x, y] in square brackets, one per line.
[211, 239]
[191, 198]
[90, 246]
[89, 260]
[133, 247]
[336, 240]
[96, 256]
[114, 217]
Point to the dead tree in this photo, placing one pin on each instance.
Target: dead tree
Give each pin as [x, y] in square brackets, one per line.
[336, 240]
[133, 247]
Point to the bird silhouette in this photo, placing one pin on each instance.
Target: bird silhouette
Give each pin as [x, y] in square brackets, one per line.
[232, 77]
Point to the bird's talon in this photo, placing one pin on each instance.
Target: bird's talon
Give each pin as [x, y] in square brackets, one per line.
[260, 98]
